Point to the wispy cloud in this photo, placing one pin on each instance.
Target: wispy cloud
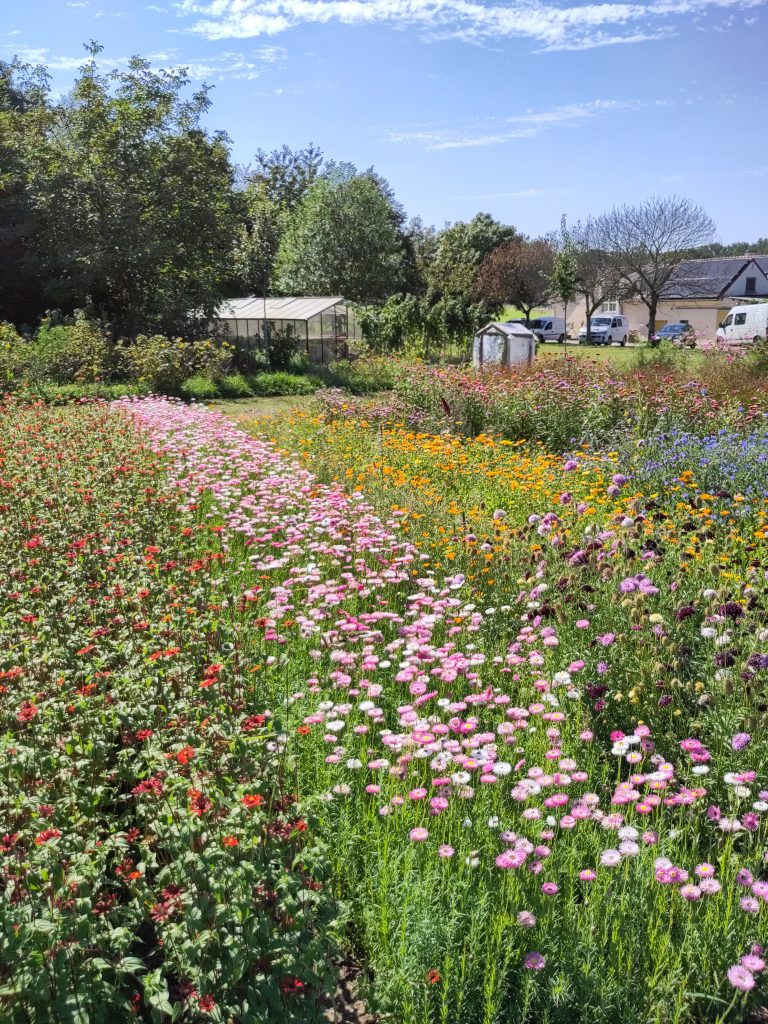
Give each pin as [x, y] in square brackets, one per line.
[232, 64]
[550, 25]
[522, 193]
[525, 125]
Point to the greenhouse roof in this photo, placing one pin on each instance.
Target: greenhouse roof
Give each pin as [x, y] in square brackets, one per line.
[301, 307]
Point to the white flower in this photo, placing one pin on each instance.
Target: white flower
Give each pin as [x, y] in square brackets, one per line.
[627, 832]
[354, 762]
[493, 821]
[742, 791]
[460, 778]
[336, 726]
[467, 823]
[501, 768]
[708, 632]
[700, 769]
[760, 805]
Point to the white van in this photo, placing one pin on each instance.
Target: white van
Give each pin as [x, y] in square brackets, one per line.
[605, 328]
[548, 328]
[744, 324]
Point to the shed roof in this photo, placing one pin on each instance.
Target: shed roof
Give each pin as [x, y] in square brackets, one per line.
[510, 330]
[300, 307]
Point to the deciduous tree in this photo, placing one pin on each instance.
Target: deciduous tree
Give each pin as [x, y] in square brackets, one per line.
[647, 241]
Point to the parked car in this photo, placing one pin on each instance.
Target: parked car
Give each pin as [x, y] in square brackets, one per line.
[744, 325]
[681, 334]
[604, 330]
[549, 328]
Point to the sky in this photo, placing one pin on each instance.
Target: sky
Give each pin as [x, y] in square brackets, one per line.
[527, 109]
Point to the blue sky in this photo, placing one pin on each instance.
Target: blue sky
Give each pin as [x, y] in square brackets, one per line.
[528, 109]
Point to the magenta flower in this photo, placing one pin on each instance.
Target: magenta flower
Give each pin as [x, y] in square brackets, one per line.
[445, 851]
[753, 963]
[550, 888]
[587, 875]
[418, 835]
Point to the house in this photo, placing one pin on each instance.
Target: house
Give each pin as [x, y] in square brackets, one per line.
[508, 344]
[322, 325]
[698, 291]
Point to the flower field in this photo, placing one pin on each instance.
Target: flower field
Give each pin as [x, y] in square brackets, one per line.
[491, 714]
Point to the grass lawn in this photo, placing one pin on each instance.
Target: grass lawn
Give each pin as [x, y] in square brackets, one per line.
[251, 408]
[614, 354]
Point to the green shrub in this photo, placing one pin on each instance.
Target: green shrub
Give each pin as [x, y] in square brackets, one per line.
[234, 385]
[200, 388]
[164, 364]
[360, 377]
[267, 385]
[73, 353]
[14, 356]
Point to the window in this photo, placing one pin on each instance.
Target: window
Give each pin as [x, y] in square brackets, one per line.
[610, 305]
[750, 286]
[739, 319]
[728, 321]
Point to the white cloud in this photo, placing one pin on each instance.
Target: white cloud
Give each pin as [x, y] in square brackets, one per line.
[231, 64]
[547, 23]
[525, 125]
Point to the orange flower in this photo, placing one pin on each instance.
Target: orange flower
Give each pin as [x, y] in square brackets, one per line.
[433, 976]
[230, 841]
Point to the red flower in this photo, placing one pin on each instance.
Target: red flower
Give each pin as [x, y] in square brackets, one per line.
[206, 1003]
[433, 976]
[290, 985]
[198, 803]
[252, 800]
[87, 649]
[253, 722]
[230, 841]
[27, 712]
[45, 835]
[185, 755]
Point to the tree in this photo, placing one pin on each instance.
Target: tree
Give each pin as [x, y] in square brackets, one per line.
[271, 189]
[24, 119]
[596, 278]
[460, 249]
[134, 199]
[341, 240]
[646, 242]
[564, 276]
[517, 272]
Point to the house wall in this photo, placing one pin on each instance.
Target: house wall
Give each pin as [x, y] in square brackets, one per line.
[705, 315]
[739, 286]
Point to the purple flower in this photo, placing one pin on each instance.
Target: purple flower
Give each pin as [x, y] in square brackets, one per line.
[753, 963]
[570, 465]
[550, 888]
[741, 740]
[536, 962]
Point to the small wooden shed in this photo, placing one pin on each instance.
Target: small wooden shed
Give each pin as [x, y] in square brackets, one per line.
[503, 344]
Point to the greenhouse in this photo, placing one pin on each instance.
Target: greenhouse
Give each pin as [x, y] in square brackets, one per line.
[323, 325]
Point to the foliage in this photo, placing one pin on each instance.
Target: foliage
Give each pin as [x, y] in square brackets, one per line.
[234, 385]
[155, 859]
[199, 388]
[341, 240]
[460, 249]
[163, 364]
[565, 271]
[364, 376]
[282, 346]
[69, 353]
[129, 198]
[267, 385]
[517, 272]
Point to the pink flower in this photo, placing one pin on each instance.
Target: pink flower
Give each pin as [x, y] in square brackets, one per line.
[418, 835]
[753, 963]
[528, 920]
[445, 851]
[741, 978]
[550, 888]
[587, 875]
[536, 962]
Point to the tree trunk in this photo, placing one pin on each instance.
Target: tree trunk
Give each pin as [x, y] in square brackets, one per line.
[565, 325]
[652, 319]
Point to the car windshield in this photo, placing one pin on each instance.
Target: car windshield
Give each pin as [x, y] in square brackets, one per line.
[538, 323]
[601, 321]
[672, 329]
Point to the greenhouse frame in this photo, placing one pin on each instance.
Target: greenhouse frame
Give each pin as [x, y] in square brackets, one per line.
[323, 325]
